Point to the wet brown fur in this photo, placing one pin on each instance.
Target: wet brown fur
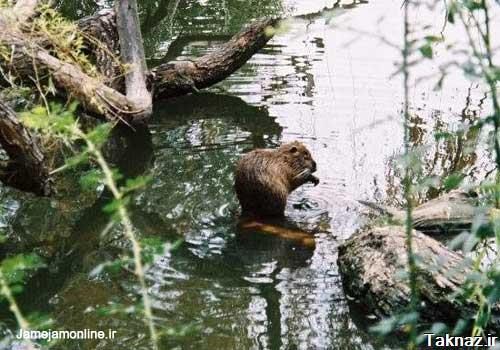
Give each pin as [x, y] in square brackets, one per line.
[265, 177]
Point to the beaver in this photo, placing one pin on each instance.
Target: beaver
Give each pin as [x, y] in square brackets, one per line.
[265, 177]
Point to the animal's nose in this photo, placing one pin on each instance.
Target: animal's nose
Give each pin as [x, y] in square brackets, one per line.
[314, 166]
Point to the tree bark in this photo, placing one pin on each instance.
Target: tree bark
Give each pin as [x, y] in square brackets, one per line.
[102, 40]
[26, 169]
[25, 9]
[371, 261]
[132, 54]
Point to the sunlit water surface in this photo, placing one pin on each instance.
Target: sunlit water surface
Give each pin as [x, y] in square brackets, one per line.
[323, 81]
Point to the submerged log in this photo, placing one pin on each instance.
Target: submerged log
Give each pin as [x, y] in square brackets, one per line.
[26, 169]
[452, 211]
[371, 261]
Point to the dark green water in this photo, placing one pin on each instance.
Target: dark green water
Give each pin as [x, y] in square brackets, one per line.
[327, 87]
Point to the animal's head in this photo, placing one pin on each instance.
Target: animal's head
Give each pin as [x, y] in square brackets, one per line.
[298, 157]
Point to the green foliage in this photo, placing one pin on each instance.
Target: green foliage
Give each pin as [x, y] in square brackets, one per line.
[65, 38]
[452, 181]
[112, 267]
[114, 205]
[16, 269]
[394, 323]
[99, 134]
[56, 122]
[426, 50]
[135, 184]
[91, 179]
[154, 247]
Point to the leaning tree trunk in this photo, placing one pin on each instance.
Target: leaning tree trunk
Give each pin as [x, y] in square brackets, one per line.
[26, 169]
[371, 261]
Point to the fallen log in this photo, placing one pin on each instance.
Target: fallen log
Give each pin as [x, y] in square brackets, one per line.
[26, 169]
[94, 95]
[183, 77]
[31, 57]
[371, 261]
[167, 80]
[177, 78]
[25, 9]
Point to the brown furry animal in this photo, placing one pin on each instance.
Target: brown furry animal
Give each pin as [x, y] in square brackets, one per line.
[265, 178]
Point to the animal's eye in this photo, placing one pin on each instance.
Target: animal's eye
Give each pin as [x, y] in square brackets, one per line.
[293, 149]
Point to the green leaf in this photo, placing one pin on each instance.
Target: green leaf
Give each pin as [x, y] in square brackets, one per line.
[460, 327]
[99, 134]
[91, 179]
[473, 5]
[451, 13]
[445, 135]
[453, 181]
[111, 267]
[433, 38]
[75, 160]
[14, 268]
[113, 206]
[136, 183]
[426, 50]
[485, 231]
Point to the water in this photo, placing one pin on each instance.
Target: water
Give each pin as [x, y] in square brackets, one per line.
[319, 81]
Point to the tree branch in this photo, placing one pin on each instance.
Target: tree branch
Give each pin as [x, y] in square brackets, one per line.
[183, 77]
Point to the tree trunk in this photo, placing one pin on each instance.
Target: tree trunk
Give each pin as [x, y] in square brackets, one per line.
[132, 54]
[25, 9]
[371, 261]
[25, 169]
[103, 44]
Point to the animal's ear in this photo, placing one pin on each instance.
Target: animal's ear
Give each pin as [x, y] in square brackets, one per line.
[293, 149]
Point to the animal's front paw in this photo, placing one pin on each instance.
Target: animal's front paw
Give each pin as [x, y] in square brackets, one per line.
[313, 179]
